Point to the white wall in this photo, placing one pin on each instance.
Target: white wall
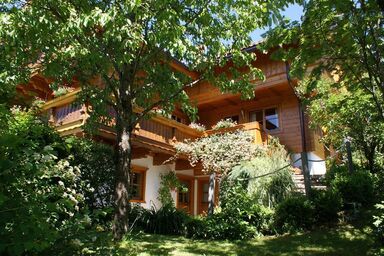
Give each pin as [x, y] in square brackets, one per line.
[152, 180]
[315, 168]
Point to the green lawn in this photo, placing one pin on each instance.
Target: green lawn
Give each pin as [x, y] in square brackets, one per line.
[343, 240]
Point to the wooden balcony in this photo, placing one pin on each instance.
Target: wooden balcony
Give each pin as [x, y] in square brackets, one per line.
[253, 128]
[158, 133]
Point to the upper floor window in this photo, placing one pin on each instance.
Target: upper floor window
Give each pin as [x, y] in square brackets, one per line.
[267, 118]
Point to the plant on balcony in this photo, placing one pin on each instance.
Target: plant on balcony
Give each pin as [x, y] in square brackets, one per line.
[60, 91]
[197, 126]
[224, 123]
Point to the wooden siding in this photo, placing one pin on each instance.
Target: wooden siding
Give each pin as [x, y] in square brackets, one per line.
[274, 71]
[283, 99]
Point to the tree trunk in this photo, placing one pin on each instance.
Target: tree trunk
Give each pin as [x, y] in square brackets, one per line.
[211, 193]
[122, 186]
[349, 156]
[306, 173]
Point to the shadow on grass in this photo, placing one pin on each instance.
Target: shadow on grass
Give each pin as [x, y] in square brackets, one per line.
[345, 240]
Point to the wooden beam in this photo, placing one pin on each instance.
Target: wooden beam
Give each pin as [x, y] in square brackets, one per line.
[182, 164]
[139, 153]
[160, 158]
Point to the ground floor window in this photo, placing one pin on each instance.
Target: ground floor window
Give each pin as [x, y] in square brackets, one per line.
[138, 176]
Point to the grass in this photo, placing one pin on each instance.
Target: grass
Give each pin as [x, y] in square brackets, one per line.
[342, 240]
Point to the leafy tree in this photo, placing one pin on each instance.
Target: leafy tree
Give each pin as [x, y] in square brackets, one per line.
[344, 40]
[345, 114]
[219, 153]
[126, 47]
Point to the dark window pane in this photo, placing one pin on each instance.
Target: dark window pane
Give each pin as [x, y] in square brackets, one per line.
[271, 119]
[204, 198]
[205, 188]
[136, 185]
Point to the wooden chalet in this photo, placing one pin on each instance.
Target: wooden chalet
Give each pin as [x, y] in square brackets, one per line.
[274, 111]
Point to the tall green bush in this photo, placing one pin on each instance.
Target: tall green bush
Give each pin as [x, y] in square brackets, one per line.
[327, 204]
[379, 222]
[357, 187]
[96, 161]
[238, 217]
[41, 193]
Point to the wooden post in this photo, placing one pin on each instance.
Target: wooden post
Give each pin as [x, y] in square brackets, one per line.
[349, 155]
[211, 193]
[307, 177]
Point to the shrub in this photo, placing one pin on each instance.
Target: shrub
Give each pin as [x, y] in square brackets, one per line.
[264, 184]
[169, 181]
[96, 161]
[238, 217]
[379, 222]
[356, 187]
[295, 213]
[166, 221]
[41, 193]
[327, 204]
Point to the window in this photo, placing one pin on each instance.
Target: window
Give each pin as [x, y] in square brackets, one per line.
[267, 118]
[205, 193]
[138, 184]
[271, 119]
[256, 116]
[184, 195]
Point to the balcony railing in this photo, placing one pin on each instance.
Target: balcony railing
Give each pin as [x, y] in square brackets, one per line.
[68, 117]
[253, 128]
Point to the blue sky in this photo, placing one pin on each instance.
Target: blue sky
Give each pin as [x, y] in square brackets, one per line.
[293, 12]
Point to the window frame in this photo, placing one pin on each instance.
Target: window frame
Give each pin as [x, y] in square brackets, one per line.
[279, 129]
[142, 171]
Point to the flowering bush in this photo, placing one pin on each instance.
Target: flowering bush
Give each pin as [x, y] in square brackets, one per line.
[220, 152]
[224, 123]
